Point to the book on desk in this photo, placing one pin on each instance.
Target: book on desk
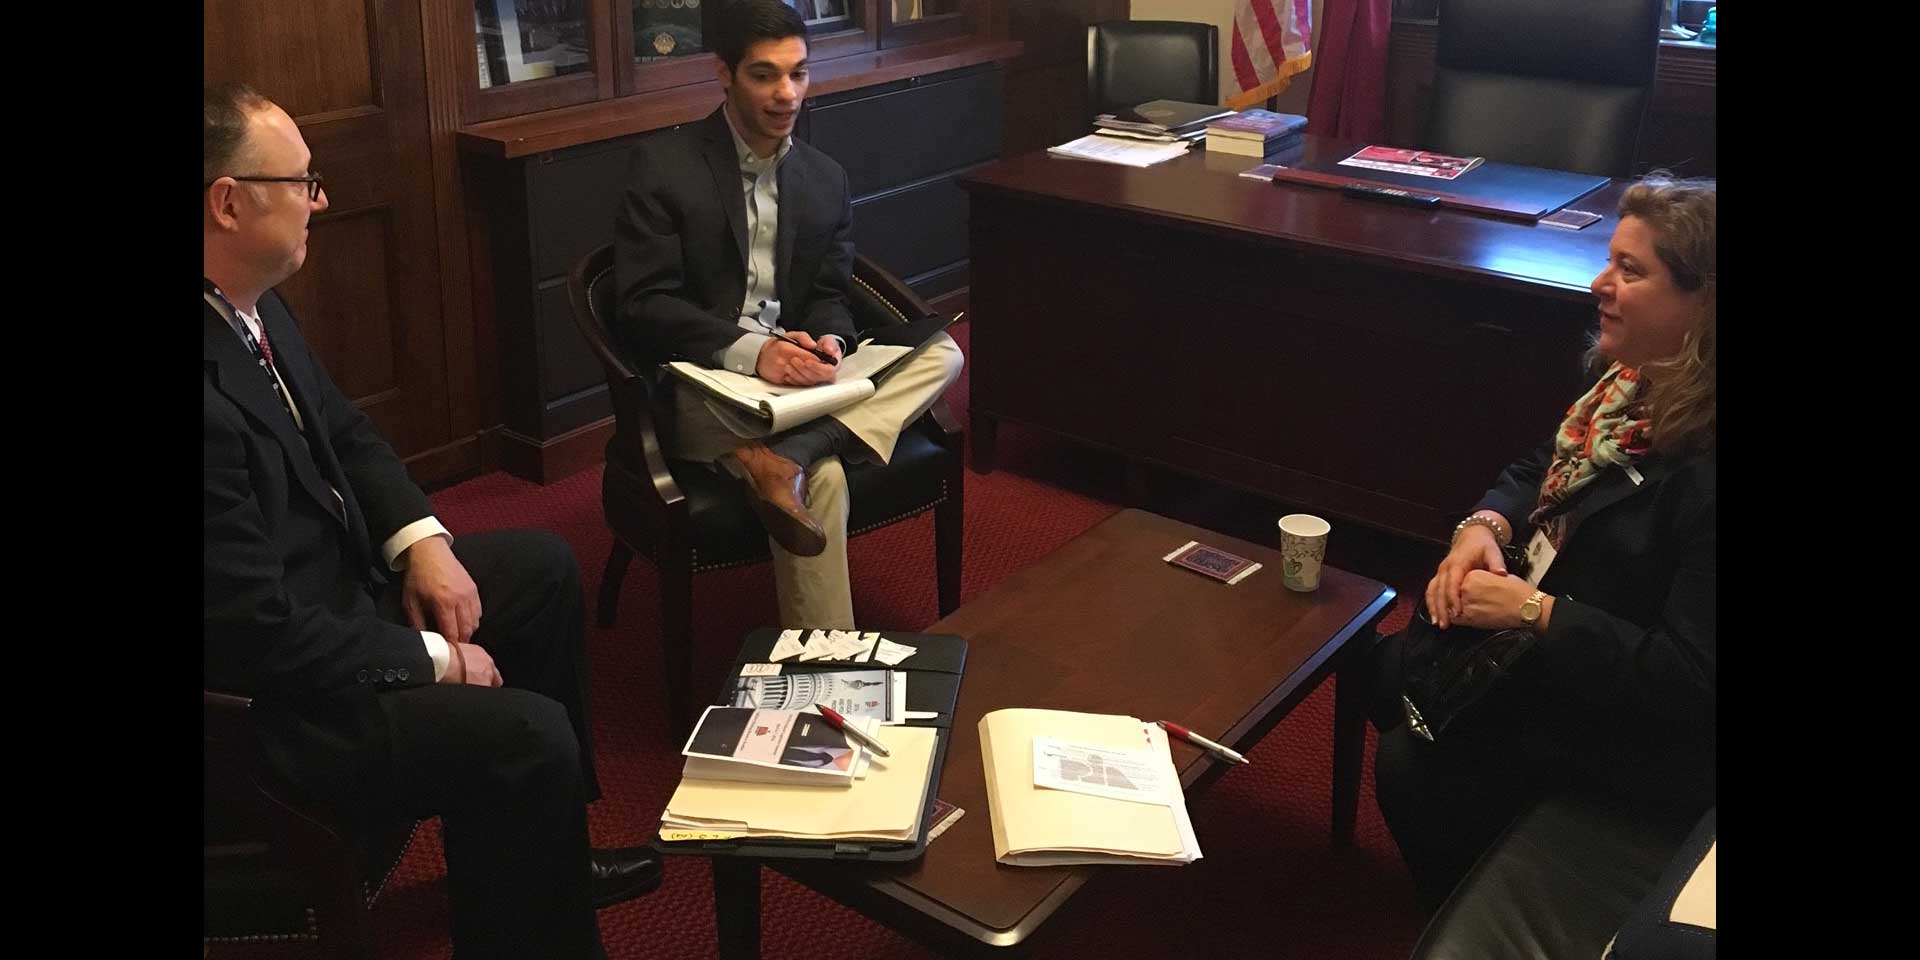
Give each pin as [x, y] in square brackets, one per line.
[1169, 116]
[883, 810]
[755, 406]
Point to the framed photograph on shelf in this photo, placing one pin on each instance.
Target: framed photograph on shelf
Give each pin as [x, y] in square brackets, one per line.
[529, 39]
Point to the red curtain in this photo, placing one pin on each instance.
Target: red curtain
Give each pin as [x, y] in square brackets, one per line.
[1349, 96]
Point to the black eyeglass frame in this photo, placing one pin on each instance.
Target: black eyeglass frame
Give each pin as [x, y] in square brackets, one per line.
[314, 181]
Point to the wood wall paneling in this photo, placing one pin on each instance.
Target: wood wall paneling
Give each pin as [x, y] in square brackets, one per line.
[1046, 90]
[272, 46]
[353, 75]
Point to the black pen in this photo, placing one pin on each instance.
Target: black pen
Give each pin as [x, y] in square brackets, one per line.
[825, 357]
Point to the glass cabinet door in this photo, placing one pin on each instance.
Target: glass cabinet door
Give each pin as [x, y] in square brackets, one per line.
[822, 13]
[532, 55]
[919, 21]
[667, 29]
[521, 40]
[907, 11]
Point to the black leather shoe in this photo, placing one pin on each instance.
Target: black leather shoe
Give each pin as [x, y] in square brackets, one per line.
[622, 873]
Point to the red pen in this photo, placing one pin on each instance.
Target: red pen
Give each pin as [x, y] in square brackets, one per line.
[838, 722]
[1202, 742]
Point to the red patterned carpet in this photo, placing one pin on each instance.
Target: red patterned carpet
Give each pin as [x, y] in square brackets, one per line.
[1269, 886]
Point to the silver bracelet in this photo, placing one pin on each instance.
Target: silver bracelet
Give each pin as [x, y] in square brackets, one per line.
[1502, 537]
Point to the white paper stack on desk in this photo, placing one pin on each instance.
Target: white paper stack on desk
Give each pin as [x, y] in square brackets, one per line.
[881, 798]
[1067, 788]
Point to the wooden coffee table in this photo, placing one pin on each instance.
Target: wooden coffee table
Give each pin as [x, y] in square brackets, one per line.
[1102, 625]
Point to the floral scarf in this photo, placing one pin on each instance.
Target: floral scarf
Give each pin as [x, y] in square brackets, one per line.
[1604, 428]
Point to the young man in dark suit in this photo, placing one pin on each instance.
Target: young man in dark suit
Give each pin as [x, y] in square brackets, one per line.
[731, 235]
[335, 599]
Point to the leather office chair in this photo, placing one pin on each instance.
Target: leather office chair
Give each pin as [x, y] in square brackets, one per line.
[1559, 882]
[1547, 83]
[1130, 62]
[277, 869]
[687, 518]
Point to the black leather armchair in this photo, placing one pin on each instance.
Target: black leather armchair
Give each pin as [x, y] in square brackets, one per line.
[1559, 882]
[687, 518]
[1547, 83]
[1130, 62]
[276, 868]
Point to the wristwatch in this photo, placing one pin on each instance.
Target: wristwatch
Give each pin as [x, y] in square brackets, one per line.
[1530, 610]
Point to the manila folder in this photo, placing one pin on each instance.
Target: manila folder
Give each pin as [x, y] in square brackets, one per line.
[1033, 821]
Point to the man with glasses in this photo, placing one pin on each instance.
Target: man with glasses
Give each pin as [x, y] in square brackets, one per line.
[333, 597]
[733, 248]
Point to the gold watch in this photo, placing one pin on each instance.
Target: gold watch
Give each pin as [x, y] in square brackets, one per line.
[1530, 610]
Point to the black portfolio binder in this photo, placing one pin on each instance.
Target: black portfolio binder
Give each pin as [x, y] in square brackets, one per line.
[933, 686]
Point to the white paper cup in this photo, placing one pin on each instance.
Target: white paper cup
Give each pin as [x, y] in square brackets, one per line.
[1303, 545]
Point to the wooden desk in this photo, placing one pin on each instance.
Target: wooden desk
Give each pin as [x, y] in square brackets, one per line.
[1102, 625]
[1373, 362]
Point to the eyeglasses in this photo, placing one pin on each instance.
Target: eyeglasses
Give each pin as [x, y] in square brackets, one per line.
[314, 182]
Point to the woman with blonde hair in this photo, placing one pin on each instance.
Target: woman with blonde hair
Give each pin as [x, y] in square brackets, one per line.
[1616, 696]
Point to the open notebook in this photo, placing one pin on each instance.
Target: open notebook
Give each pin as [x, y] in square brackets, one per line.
[754, 407]
[1035, 825]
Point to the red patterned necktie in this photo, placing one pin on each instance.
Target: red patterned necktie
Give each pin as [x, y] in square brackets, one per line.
[266, 349]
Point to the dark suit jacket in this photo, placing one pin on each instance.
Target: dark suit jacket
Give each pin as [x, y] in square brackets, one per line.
[1627, 672]
[288, 570]
[680, 245]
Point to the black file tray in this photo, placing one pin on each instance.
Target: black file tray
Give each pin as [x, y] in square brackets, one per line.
[936, 666]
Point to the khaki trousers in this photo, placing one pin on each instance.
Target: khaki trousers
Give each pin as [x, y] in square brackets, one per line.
[814, 592]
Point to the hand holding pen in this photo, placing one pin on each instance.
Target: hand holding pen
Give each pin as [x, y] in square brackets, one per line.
[825, 357]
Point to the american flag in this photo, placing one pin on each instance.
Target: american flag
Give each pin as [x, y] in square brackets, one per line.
[1270, 40]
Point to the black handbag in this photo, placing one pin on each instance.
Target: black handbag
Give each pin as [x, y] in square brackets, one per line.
[1445, 672]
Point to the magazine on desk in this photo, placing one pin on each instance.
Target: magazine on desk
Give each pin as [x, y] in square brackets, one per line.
[1419, 163]
[756, 407]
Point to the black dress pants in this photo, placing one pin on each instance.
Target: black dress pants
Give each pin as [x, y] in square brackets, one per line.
[509, 770]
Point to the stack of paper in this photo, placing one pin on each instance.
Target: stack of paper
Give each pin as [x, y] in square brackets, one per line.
[1132, 153]
[1067, 788]
[883, 803]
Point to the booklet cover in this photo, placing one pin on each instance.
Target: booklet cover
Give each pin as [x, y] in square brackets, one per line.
[1418, 163]
[880, 694]
[769, 746]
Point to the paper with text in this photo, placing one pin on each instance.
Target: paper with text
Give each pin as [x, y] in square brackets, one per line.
[1098, 771]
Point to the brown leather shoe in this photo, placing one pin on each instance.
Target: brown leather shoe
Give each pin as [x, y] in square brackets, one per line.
[777, 490]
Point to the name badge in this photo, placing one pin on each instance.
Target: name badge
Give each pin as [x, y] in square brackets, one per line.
[1540, 554]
